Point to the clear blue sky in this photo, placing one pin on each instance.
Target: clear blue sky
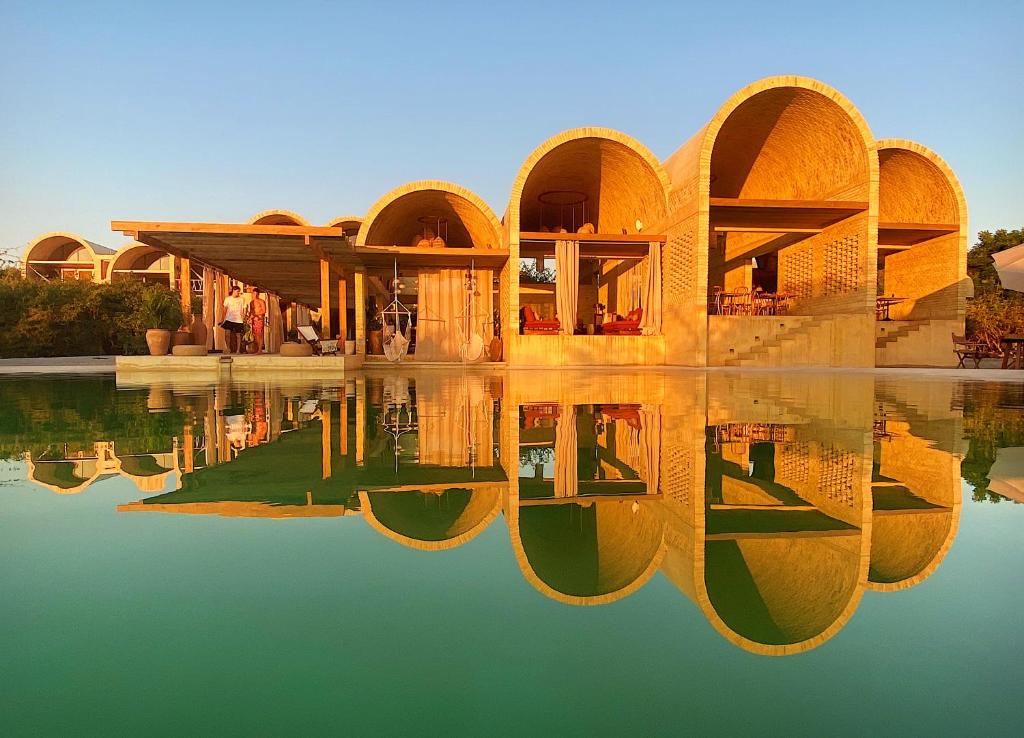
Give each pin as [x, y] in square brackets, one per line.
[214, 111]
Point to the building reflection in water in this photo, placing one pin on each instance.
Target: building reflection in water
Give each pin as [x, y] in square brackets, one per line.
[772, 503]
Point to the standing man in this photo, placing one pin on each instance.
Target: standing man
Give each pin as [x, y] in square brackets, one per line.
[257, 319]
[234, 308]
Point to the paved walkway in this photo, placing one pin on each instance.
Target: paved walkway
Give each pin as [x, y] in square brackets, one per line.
[59, 365]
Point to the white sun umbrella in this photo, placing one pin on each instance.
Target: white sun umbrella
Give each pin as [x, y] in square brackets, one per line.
[1006, 477]
[1010, 266]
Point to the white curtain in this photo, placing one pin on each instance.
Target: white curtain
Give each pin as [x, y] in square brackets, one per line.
[650, 322]
[650, 442]
[275, 325]
[566, 473]
[439, 302]
[567, 284]
[456, 423]
[445, 320]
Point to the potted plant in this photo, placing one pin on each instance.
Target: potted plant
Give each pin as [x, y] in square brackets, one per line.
[161, 309]
[375, 327]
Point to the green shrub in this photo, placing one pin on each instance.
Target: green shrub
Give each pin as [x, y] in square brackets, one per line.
[994, 314]
[161, 308]
[74, 318]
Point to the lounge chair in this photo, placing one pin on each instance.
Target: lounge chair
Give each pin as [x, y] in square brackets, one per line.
[974, 350]
[532, 325]
[320, 347]
[628, 326]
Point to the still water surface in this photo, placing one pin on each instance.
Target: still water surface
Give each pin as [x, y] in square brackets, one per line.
[509, 553]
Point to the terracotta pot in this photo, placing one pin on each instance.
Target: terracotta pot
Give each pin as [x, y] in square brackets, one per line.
[159, 400]
[181, 338]
[199, 331]
[494, 350]
[377, 342]
[158, 341]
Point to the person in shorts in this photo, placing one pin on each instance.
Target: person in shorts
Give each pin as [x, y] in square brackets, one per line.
[234, 321]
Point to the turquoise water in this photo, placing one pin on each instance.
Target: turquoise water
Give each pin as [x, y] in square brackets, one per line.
[511, 553]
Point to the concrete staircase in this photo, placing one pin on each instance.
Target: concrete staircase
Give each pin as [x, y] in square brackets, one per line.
[794, 342]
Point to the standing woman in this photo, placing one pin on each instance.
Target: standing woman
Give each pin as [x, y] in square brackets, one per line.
[257, 319]
[234, 308]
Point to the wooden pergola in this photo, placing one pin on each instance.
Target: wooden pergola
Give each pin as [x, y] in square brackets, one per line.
[309, 265]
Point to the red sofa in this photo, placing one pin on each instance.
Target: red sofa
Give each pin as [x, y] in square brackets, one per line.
[532, 325]
[628, 326]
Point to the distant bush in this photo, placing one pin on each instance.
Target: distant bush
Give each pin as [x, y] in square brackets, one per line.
[73, 318]
[994, 314]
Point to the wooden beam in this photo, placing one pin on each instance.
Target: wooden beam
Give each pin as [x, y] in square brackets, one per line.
[342, 308]
[135, 226]
[359, 278]
[781, 215]
[325, 299]
[909, 234]
[592, 237]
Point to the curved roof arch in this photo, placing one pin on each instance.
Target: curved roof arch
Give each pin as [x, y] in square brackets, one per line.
[783, 596]
[392, 221]
[345, 221]
[623, 181]
[57, 245]
[278, 217]
[788, 137]
[783, 137]
[136, 255]
[916, 185]
[431, 521]
[587, 555]
[906, 549]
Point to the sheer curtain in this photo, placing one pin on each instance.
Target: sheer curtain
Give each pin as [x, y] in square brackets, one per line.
[566, 463]
[440, 300]
[650, 322]
[567, 283]
[443, 320]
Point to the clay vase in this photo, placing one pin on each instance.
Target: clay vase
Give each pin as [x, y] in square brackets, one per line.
[158, 341]
[199, 331]
[376, 342]
[494, 349]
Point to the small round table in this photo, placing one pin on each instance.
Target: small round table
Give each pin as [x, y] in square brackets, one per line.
[1013, 352]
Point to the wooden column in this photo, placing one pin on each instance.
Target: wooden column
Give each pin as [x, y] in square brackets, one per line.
[172, 270]
[221, 283]
[325, 439]
[360, 418]
[343, 424]
[325, 300]
[209, 305]
[188, 442]
[186, 288]
[360, 300]
[342, 311]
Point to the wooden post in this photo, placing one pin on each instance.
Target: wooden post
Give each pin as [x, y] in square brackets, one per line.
[189, 443]
[325, 300]
[186, 289]
[360, 300]
[172, 270]
[343, 424]
[325, 439]
[221, 283]
[360, 419]
[209, 305]
[342, 311]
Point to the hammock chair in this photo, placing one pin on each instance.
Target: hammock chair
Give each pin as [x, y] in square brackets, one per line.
[396, 342]
[471, 343]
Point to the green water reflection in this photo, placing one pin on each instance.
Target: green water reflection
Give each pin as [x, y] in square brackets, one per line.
[771, 503]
